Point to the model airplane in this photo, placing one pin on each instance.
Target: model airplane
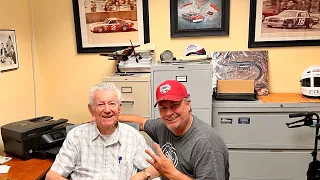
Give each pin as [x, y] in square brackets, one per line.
[124, 56]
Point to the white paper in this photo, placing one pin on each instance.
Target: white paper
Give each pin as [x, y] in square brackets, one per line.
[4, 169]
[4, 159]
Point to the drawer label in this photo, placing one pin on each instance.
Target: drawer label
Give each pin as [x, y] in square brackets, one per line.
[226, 120]
[243, 120]
[126, 89]
[181, 78]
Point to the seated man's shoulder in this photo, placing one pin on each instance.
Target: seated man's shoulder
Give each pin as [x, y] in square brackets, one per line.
[79, 129]
[131, 130]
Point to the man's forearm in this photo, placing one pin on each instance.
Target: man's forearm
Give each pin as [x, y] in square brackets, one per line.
[133, 118]
[52, 175]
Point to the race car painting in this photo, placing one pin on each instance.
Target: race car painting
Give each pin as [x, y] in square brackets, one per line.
[291, 19]
[193, 17]
[111, 25]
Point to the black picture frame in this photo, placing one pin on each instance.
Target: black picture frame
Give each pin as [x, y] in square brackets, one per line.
[81, 20]
[175, 19]
[260, 37]
[8, 50]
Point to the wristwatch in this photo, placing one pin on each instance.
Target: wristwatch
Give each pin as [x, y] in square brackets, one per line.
[147, 174]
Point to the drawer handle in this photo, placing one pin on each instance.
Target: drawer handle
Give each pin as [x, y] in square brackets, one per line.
[128, 102]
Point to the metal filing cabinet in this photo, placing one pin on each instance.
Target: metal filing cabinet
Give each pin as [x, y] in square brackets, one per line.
[135, 92]
[260, 144]
[196, 77]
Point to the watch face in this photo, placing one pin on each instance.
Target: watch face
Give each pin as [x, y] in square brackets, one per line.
[147, 174]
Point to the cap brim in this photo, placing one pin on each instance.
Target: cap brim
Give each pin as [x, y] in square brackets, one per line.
[169, 98]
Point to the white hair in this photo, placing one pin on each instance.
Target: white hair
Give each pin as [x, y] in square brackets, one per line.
[108, 86]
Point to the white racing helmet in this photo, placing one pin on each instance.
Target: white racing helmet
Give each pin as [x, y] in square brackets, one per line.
[310, 81]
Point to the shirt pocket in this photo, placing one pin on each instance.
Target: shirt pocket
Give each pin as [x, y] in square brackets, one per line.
[125, 169]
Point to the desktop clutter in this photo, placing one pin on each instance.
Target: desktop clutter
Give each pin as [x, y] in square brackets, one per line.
[40, 137]
[236, 75]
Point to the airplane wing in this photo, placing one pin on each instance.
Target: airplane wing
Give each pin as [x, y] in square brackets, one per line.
[112, 54]
[118, 57]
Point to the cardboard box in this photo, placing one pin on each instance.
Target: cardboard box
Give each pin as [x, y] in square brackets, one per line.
[235, 86]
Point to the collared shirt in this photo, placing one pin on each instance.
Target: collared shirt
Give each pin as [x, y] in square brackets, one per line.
[87, 154]
[207, 9]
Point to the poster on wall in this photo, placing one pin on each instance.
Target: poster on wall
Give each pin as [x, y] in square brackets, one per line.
[280, 23]
[242, 65]
[106, 25]
[8, 50]
[199, 18]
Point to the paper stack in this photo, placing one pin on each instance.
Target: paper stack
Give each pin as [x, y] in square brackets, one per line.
[145, 60]
[4, 169]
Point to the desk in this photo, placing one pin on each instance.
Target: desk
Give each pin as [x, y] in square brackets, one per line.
[32, 169]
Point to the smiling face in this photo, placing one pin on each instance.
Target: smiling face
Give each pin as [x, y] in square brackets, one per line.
[106, 110]
[176, 115]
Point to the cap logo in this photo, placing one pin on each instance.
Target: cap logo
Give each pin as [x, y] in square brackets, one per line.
[165, 88]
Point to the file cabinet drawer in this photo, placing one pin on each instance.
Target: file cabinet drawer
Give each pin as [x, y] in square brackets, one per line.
[135, 97]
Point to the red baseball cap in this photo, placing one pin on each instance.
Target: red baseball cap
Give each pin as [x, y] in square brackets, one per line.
[171, 90]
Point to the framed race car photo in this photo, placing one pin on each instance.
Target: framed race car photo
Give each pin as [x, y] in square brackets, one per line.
[109, 25]
[199, 18]
[278, 23]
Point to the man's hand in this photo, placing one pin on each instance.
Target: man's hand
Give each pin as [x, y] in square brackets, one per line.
[161, 163]
[90, 120]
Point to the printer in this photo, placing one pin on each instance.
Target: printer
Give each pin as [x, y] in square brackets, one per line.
[34, 137]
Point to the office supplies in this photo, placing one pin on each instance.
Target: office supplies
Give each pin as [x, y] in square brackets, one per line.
[119, 159]
[4, 169]
[242, 90]
[30, 138]
[4, 159]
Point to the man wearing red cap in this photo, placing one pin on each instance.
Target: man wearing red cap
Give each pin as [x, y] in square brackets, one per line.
[188, 147]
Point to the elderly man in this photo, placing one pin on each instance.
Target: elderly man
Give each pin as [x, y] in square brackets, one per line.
[104, 149]
[189, 148]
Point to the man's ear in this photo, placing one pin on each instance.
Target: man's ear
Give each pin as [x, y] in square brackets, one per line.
[188, 102]
[120, 108]
[90, 110]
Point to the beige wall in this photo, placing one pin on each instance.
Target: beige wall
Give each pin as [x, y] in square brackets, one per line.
[64, 77]
[17, 99]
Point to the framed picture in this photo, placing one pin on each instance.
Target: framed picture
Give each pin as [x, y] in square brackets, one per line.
[8, 50]
[199, 18]
[109, 25]
[276, 23]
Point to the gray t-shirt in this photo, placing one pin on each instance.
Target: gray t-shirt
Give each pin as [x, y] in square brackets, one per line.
[200, 153]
